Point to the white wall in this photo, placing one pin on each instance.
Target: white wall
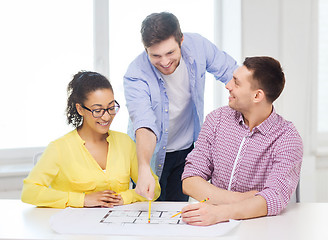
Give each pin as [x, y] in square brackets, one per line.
[286, 30]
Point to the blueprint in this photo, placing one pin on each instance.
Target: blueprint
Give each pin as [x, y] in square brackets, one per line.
[132, 220]
[141, 217]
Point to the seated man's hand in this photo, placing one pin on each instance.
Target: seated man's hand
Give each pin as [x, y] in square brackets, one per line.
[107, 198]
[203, 214]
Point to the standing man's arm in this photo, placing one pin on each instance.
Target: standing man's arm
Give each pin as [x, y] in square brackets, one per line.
[218, 62]
[144, 128]
[145, 144]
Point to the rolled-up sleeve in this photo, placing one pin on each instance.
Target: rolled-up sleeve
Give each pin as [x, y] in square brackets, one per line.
[219, 63]
[139, 105]
[216, 62]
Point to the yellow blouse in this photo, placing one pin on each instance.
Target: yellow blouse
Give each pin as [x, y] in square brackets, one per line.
[66, 172]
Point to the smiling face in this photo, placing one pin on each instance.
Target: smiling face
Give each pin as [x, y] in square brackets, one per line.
[242, 94]
[96, 100]
[165, 55]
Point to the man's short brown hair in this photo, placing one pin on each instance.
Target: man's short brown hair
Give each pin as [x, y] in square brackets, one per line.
[268, 75]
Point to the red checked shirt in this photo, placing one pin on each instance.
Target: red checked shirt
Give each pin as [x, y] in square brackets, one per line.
[267, 159]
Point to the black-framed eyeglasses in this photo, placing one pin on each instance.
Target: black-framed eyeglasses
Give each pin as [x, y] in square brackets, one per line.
[98, 113]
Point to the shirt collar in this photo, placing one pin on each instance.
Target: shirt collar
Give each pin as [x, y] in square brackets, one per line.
[187, 54]
[109, 136]
[268, 123]
[79, 139]
[82, 142]
[156, 71]
[265, 126]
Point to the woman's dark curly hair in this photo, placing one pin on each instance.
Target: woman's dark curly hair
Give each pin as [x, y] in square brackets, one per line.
[78, 89]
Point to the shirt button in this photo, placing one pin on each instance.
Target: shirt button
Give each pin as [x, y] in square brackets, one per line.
[160, 165]
[165, 129]
[166, 110]
[164, 148]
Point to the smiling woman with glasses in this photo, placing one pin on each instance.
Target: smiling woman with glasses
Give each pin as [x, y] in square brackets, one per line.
[90, 166]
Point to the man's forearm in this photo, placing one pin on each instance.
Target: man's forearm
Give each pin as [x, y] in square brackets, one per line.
[252, 207]
[199, 189]
[145, 145]
[222, 205]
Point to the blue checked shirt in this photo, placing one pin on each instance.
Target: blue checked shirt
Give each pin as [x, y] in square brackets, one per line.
[146, 97]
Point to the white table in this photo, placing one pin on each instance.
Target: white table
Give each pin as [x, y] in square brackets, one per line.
[298, 221]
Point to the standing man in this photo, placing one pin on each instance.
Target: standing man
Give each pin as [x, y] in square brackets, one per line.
[251, 155]
[164, 91]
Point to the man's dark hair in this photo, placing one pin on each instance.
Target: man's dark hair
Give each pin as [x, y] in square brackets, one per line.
[268, 75]
[158, 27]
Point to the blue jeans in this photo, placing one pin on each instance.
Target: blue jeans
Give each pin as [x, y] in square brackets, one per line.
[171, 184]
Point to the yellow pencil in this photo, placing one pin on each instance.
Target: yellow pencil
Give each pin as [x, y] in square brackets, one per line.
[206, 199]
[149, 210]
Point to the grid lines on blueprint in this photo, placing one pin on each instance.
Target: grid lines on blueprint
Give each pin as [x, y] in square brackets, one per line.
[141, 217]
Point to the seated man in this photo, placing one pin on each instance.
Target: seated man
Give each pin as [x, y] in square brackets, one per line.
[250, 154]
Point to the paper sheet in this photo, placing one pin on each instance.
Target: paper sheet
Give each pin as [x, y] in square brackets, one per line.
[132, 219]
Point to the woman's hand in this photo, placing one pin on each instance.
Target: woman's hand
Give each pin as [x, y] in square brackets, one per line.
[107, 198]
